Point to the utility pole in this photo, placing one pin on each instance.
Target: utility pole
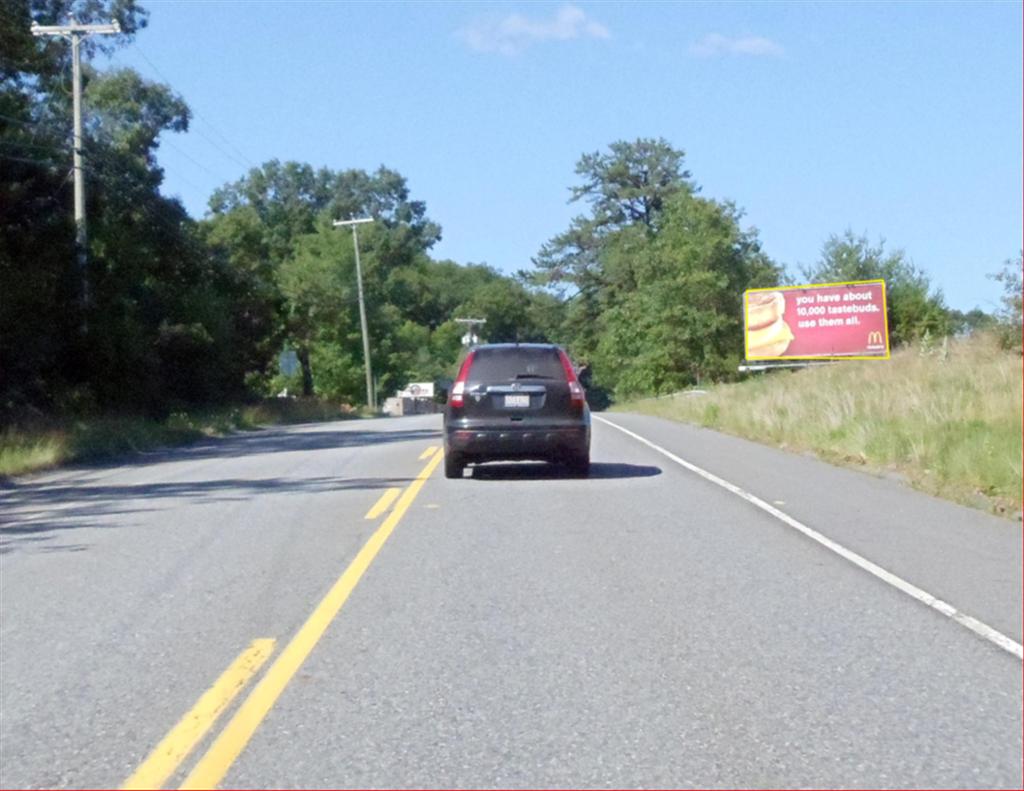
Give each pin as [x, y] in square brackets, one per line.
[470, 337]
[371, 400]
[76, 32]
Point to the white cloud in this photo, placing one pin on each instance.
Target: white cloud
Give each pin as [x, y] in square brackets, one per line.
[512, 34]
[715, 44]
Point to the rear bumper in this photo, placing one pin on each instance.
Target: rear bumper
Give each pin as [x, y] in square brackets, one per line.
[533, 442]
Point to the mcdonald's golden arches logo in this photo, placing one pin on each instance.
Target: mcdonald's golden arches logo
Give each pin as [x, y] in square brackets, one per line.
[874, 338]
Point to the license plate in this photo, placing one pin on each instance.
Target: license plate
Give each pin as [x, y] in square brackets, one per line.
[518, 401]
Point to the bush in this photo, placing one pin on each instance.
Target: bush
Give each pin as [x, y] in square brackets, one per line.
[1011, 314]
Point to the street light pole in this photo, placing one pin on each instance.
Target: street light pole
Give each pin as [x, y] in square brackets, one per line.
[371, 400]
[76, 33]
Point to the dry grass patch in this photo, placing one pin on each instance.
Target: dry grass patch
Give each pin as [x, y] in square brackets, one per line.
[945, 417]
[46, 443]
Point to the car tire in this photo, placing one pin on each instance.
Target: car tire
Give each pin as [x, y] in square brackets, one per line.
[453, 465]
[579, 466]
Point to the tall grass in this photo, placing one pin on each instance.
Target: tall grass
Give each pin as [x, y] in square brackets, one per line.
[49, 442]
[946, 417]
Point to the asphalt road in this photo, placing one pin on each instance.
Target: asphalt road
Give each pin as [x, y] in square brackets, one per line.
[642, 627]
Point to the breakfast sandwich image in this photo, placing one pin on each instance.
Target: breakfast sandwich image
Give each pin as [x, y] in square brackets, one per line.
[768, 334]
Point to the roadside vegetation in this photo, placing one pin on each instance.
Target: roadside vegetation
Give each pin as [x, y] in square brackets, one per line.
[39, 442]
[176, 316]
[943, 416]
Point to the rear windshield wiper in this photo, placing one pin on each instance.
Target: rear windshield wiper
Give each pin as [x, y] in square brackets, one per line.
[533, 376]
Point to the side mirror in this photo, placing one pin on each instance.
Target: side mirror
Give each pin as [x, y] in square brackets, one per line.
[441, 389]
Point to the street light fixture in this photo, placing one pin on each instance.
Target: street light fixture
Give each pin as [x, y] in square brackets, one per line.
[371, 401]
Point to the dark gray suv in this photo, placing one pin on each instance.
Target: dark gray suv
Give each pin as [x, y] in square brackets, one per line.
[516, 401]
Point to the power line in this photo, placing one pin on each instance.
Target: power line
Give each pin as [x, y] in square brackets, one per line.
[213, 143]
[34, 146]
[144, 208]
[49, 98]
[63, 183]
[193, 128]
[220, 149]
[108, 177]
[95, 151]
[19, 120]
[49, 162]
[195, 161]
[199, 116]
[34, 126]
[187, 183]
[112, 160]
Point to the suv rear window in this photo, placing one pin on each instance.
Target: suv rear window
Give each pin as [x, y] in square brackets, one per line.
[506, 365]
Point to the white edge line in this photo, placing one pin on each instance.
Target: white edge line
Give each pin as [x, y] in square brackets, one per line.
[976, 626]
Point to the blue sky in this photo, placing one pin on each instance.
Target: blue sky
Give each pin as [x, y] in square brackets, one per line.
[899, 120]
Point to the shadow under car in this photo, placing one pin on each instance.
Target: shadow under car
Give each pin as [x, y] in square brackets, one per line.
[538, 471]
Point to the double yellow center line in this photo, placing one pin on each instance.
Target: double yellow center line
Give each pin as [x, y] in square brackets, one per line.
[190, 730]
[226, 748]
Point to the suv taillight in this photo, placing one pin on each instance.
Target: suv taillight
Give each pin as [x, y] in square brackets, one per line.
[576, 396]
[457, 397]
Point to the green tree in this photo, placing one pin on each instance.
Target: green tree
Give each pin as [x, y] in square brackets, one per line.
[40, 347]
[682, 323]
[159, 319]
[915, 309]
[653, 277]
[630, 182]
[265, 222]
[127, 114]
[971, 321]
[411, 303]
[1011, 314]
[627, 185]
[318, 286]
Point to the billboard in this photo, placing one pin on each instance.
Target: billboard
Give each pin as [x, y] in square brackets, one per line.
[417, 390]
[824, 321]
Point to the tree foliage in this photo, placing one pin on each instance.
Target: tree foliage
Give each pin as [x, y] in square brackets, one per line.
[630, 182]
[1010, 316]
[656, 272]
[971, 321]
[277, 223]
[184, 312]
[915, 309]
[158, 300]
[645, 284]
[627, 185]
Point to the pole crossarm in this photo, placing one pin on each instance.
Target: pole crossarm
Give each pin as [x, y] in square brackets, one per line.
[74, 28]
[360, 221]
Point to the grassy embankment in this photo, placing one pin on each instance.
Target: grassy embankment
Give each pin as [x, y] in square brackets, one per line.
[42, 443]
[946, 418]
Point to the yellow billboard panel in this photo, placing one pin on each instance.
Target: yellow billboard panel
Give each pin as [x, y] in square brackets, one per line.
[820, 321]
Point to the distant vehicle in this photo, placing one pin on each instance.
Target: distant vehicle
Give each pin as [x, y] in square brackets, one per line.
[516, 402]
